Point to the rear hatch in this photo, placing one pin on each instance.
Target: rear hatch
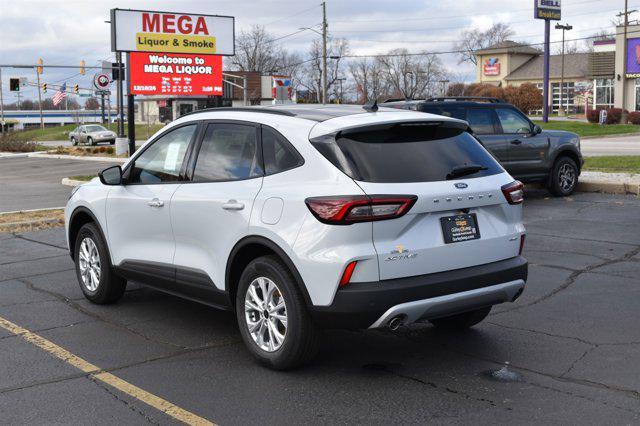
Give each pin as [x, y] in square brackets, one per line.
[461, 217]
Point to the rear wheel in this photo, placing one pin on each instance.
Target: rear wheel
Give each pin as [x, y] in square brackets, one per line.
[272, 316]
[93, 267]
[74, 142]
[462, 321]
[564, 177]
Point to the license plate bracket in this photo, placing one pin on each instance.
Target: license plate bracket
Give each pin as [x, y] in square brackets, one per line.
[459, 228]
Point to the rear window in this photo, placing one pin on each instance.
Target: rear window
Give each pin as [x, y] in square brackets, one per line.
[407, 152]
[447, 111]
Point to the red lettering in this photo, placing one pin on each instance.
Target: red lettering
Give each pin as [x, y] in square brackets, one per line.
[184, 24]
[168, 23]
[201, 26]
[150, 23]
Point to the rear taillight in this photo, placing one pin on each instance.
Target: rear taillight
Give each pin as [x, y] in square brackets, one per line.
[513, 192]
[522, 238]
[348, 209]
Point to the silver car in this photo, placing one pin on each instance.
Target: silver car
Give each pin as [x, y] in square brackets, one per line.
[91, 134]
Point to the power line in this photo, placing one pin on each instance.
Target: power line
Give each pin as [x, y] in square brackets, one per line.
[291, 16]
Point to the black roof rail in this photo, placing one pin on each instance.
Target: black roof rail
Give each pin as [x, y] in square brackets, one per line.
[396, 100]
[265, 110]
[466, 98]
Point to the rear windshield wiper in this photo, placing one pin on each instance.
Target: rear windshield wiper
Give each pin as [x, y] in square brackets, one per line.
[467, 169]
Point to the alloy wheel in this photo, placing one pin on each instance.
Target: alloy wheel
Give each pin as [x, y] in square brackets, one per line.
[89, 263]
[266, 314]
[566, 177]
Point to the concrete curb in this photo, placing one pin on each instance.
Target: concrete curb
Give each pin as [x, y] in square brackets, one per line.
[608, 187]
[78, 157]
[72, 182]
[32, 210]
[617, 135]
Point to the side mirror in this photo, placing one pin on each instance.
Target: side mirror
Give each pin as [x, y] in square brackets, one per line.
[111, 175]
[537, 130]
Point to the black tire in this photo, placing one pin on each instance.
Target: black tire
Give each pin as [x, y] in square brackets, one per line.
[110, 287]
[74, 142]
[90, 141]
[301, 338]
[462, 321]
[112, 142]
[564, 177]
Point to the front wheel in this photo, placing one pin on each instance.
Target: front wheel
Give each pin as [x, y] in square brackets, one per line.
[462, 321]
[93, 267]
[90, 141]
[274, 323]
[564, 177]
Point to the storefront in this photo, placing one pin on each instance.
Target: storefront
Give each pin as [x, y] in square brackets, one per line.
[592, 80]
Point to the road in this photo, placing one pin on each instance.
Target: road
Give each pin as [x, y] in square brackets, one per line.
[30, 183]
[572, 340]
[620, 145]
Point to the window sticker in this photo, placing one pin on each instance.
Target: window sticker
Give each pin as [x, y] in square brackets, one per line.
[171, 160]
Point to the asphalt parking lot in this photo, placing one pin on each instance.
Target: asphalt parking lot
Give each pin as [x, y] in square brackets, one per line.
[32, 183]
[572, 342]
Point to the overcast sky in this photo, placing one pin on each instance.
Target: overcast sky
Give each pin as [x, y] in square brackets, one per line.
[64, 32]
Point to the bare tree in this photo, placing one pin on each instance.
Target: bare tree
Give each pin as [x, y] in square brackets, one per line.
[412, 76]
[475, 39]
[91, 104]
[370, 81]
[255, 51]
[599, 36]
[311, 75]
[570, 47]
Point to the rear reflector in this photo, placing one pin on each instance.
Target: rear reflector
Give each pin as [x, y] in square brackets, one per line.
[348, 209]
[513, 192]
[348, 272]
[522, 238]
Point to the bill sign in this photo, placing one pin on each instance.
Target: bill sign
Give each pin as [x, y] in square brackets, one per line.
[168, 32]
[491, 66]
[547, 9]
[175, 74]
[633, 58]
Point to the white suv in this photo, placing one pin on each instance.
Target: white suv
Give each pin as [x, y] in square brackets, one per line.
[306, 217]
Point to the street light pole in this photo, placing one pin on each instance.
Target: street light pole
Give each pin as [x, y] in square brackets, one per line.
[564, 28]
[341, 79]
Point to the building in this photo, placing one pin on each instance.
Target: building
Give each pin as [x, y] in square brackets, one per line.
[592, 80]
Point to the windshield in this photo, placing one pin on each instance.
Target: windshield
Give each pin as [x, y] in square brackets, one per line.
[407, 152]
[95, 128]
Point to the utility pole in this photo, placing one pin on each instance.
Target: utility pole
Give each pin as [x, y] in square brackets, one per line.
[40, 99]
[19, 96]
[120, 97]
[564, 28]
[341, 79]
[324, 52]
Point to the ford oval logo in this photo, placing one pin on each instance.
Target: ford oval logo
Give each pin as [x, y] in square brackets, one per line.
[461, 185]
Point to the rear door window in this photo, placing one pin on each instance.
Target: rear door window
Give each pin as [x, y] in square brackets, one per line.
[482, 121]
[447, 111]
[278, 153]
[407, 152]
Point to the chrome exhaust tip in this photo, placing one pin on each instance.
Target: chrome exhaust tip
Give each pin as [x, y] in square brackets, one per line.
[395, 323]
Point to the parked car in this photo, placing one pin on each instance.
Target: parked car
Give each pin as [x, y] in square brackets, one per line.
[300, 218]
[91, 134]
[527, 152]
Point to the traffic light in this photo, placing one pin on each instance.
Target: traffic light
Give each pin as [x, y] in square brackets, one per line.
[14, 84]
[76, 89]
[39, 68]
[82, 71]
[44, 87]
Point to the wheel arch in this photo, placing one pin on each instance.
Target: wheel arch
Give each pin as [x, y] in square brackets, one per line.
[80, 216]
[566, 152]
[252, 247]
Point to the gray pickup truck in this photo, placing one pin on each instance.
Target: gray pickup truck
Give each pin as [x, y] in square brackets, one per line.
[527, 152]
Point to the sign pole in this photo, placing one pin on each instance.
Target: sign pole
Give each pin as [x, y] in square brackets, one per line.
[40, 100]
[1, 105]
[131, 125]
[119, 96]
[102, 106]
[545, 89]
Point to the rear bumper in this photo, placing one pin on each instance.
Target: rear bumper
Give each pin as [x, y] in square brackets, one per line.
[373, 304]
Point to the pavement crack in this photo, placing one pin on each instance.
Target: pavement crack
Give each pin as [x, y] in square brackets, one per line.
[126, 403]
[22, 237]
[559, 336]
[582, 239]
[574, 363]
[91, 314]
[35, 275]
[32, 259]
[572, 279]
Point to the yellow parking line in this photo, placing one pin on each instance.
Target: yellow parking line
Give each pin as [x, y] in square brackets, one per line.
[105, 377]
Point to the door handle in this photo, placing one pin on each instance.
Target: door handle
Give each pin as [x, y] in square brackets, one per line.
[233, 205]
[155, 203]
[516, 142]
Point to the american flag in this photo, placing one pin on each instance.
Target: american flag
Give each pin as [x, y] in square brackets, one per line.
[60, 94]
